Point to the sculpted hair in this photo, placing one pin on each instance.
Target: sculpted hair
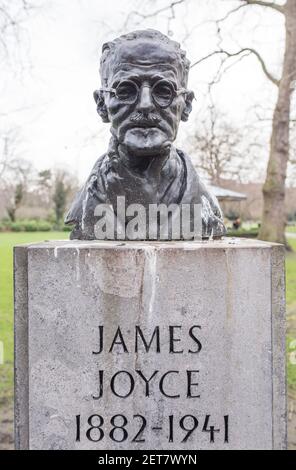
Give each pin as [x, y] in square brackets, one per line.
[109, 48]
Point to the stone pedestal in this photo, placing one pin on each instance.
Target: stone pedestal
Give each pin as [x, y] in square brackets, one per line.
[141, 345]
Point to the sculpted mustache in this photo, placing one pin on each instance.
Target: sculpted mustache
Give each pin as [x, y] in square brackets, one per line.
[140, 118]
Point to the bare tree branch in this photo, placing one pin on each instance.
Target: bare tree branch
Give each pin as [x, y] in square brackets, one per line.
[229, 13]
[13, 32]
[220, 148]
[169, 7]
[262, 3]
[274, 80]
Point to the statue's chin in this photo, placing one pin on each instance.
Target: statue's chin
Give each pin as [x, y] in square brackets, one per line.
[146, 141]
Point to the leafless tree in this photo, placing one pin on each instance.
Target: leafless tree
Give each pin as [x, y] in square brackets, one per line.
[274, 217]
[13, 16]
[16, 173]
[10, 145]
[220, 150]
[18, 179]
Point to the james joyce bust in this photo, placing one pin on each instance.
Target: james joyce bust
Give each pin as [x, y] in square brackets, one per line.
[144, 97]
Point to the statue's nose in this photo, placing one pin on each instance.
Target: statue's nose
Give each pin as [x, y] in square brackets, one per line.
[145, 103]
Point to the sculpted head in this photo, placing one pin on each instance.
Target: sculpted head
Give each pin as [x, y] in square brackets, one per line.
[144, 91]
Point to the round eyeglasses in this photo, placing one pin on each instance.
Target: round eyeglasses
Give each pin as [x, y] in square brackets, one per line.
[163, 92]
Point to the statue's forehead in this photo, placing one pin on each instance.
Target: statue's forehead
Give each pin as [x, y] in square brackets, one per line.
[128, 70]
[145, 51]
[144, 56]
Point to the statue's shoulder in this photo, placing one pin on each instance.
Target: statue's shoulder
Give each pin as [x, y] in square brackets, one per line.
[93, 188]
[193, 178]
[212, 217]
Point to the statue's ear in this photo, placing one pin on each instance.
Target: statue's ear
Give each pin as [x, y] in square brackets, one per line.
[101, 106]
[188, 105]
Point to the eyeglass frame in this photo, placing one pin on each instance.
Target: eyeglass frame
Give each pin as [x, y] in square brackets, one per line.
[175, 94]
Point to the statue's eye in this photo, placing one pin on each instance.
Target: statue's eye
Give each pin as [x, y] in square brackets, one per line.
[127, 91]
[163, 93]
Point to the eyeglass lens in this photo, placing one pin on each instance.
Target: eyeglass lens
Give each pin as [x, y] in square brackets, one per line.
[162, 92]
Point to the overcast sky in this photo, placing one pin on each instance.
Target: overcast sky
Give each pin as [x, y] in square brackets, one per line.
[60, 52]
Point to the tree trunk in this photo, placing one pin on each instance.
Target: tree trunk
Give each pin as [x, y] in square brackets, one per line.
[274, 214]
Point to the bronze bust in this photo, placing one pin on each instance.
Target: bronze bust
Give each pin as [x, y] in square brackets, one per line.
[144, 96]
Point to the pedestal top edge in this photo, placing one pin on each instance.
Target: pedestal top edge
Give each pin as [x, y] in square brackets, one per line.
[226, 242]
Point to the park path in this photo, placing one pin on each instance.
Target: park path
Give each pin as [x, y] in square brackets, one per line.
[290, 235]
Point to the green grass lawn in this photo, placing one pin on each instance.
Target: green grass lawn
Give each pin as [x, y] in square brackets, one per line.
[291, 229]
[291, 313]
[8, 240]
[291, 273]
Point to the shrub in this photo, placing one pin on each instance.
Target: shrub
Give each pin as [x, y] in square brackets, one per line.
[242, 232]
[17, 227]
[44, 226]
[30, 226]
[5, 225]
